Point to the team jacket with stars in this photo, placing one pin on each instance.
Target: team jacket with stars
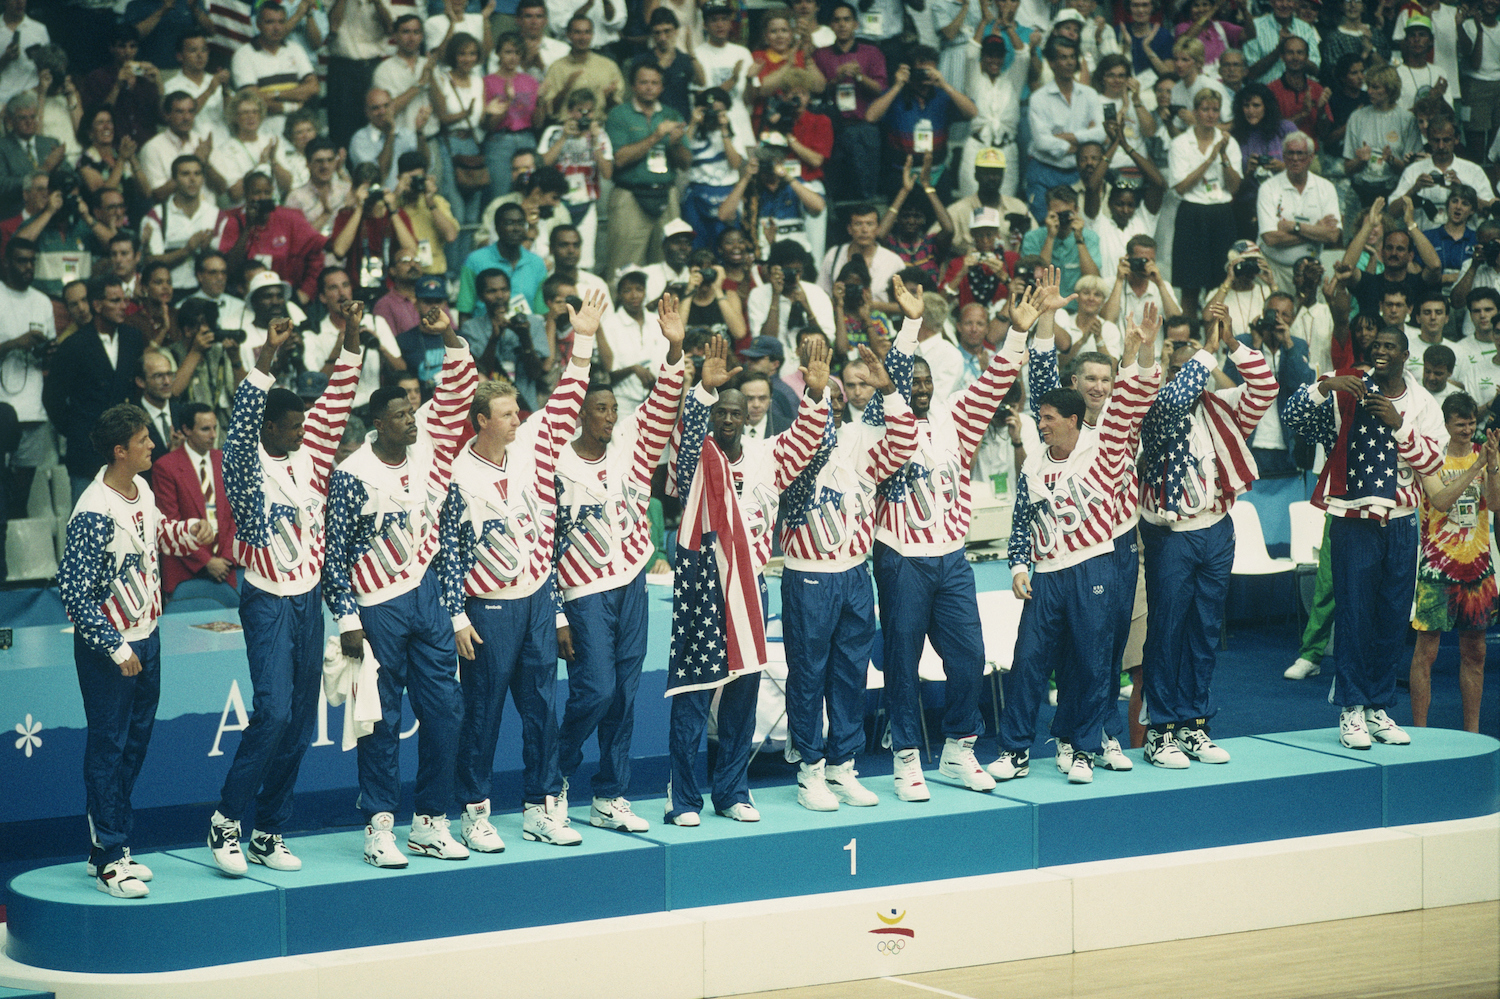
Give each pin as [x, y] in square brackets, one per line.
[765, 468]
[279, 503]
[1195, 451]
[1125, 510]
[603, 535]
[925, 508]
[383, 519]
[497, 524]
[830, 508]
[1066, 511]
[110, 576]
[1372, 471]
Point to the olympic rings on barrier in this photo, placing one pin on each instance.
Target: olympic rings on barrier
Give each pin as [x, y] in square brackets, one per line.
[891, 947]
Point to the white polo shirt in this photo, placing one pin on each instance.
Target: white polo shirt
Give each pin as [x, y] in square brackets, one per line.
[1279, 199]
[168, 227]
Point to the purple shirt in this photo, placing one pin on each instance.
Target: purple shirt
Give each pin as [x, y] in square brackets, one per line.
[1255, 144]
[871, 64]
[518, 115]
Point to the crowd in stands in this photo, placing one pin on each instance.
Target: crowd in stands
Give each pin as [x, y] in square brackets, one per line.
[174, 177]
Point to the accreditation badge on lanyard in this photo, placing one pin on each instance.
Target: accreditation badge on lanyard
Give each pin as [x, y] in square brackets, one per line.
[656, 160]
[871, 22]
[846, 97]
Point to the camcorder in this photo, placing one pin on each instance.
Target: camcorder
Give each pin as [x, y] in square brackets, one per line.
[784, 112]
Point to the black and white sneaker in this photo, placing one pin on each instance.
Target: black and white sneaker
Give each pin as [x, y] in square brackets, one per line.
[268, 850]
[1196, 744]
[1010, 765]
[1082, 771]
[137, 870]
[224, 844]
[117, 880]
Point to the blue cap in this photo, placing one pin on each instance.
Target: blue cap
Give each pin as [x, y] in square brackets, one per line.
[432, 289]
[764, 346]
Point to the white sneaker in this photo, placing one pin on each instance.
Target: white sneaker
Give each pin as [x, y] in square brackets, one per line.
[477, 831]
[138, 870]
[812, 788]
[958, 763]
[431, 837]
[907, 774]
[1064, 757]
[1352, 731]
[224, 844]
[1010, 765]
[117, 880]
[1161, 750]
[1082, 771]
[615, 813]
[380, 842]
[1196, 743]
[1380, 726]
[545, 824]
[1113, 757]
[268, 850]
[742, 811]
[843, 781]
[688, 820]
[1302, 669]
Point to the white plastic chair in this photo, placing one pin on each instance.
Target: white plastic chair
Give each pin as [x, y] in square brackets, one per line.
[1250, 555]
[1307, 532]
[29, 551]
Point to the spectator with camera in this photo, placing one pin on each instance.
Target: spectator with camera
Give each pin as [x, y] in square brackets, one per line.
[771, 202]
[717, 166]
[1065, 242]
[262, 230]
[18, 34]
[525, 269]
[788, 303]
[855, 75]
[369, 232]
[918, 111]
[1432, 177]
[428, 213]
[979, 276]
[581, 150]
[128, 88]
[175, 231]
[505, 345]
[268, 297]
[33, 200]
[62, 231]
[27, 340]
[706, 302]
[540, 196]
[1482, 269]
[209, 366]
[1138, 281]
[1273, 443]
[880, 263]
[377, 343]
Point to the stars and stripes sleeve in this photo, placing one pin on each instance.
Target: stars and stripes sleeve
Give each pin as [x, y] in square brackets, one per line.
[1018, 550]
[346, 497]
[81, 578]
[450, 402]
[795, 446]
[244, 480]
[560, 416]
[323, 427]
[1173, 402]
[1417, 449]
[1042, 377]
[1257, 393]
[897, 444]
[1314, 419]
[456, 543]
[700, 403]
[900, 359]
[1132, 402]
[175, 537]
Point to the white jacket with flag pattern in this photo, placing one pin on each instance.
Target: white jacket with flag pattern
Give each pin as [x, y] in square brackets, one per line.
[383, 520]
[765, 467]
[110, 576]
[603, 535]
[497, 525]
[279, 503]
[925, 508]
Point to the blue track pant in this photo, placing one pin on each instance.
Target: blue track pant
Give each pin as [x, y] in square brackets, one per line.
[1374, 576]
[412, 638]
[1065, 627]
[609, 646]
[1127, 563]
[519, 655]
[286, 634]
[1187, 579]
[921, 598]
[736, 732]
[120, 712]
[828, 627]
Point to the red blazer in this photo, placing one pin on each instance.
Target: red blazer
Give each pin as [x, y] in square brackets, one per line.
[174, 479]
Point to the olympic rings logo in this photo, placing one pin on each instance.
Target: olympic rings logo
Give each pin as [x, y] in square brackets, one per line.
[891, 947]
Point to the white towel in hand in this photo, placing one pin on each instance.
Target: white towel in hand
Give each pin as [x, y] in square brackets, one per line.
[355, 681]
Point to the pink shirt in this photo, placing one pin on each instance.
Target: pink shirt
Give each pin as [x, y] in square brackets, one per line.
[518, 115]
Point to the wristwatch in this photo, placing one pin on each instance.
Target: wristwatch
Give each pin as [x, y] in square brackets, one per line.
[1296, 228]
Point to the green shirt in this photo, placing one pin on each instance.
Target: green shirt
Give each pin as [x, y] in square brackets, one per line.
[627, 126]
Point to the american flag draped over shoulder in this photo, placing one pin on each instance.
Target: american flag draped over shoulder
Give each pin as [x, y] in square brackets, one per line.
[718, 629]
[1362, 465]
